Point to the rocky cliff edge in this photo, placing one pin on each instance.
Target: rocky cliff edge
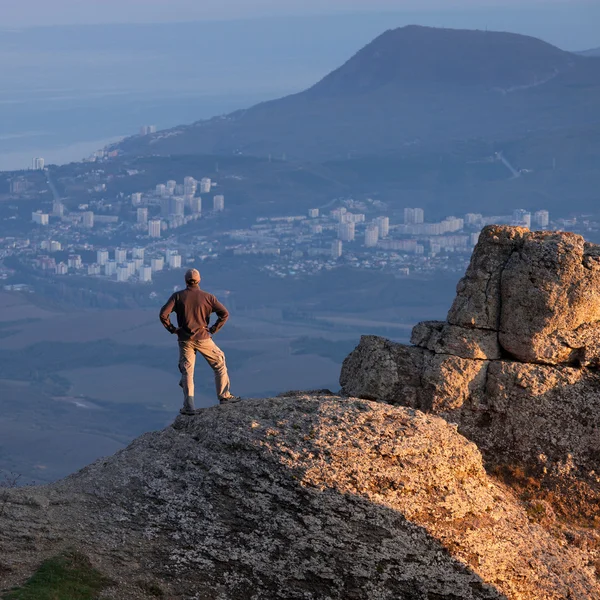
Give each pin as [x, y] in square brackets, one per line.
[300, 497]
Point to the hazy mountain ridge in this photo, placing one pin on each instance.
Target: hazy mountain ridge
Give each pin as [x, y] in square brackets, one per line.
[413, 87]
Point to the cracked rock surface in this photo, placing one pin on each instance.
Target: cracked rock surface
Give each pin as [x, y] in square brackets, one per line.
[302, 497]
[516, 363]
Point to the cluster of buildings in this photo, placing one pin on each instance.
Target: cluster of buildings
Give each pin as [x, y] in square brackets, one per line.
[122, 239]
[169, 206]
[141, 215]
[121, 265]
[172, 205]
[301, 244]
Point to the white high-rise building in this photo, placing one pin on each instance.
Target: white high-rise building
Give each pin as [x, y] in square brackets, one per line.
[55, 246]
[146, 274]
[383, 226]
[196, 205]
[61, 268]
[157, 264]
[38, 164]
[154, 228]
[122, 273]
[120, 255]
[338, 214]
[371, 236]
[58, 208]
[142, 216]
[138, 252]
[131, 267]
[205, 185]
[541, 218]
[313, 213]
[110, 268]
[139, 263]
[161, 190]
[171, 186]
[174, 260]
[346, 232]
[87, 219]
[177, 206]
[94, 269]
[102, 257]
[40, 218]
[414, 216]
[522, 218]
[74, 261]
[336, 249]
[190, 186]
[219, 203]
[473, 218]
[136, 199]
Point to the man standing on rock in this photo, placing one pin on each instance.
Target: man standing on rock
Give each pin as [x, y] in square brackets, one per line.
[193, 308]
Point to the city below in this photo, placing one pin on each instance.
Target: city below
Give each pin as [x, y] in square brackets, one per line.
[133, 237]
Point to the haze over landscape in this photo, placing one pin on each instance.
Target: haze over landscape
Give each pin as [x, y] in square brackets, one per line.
[329, 172]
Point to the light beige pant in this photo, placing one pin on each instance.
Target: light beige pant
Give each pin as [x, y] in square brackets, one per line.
[214, 357]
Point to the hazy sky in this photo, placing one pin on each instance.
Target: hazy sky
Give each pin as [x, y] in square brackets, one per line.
[568, 23]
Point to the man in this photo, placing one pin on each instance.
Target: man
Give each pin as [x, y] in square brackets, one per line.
[193, 308]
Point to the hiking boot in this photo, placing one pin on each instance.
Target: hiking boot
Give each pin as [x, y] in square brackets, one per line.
[188, 407]
[229, 400]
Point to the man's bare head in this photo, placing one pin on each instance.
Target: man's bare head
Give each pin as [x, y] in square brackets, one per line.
[192, 276]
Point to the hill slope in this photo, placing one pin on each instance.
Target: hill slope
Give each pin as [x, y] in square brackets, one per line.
[593, 52]
[298, 497]
[413, 87]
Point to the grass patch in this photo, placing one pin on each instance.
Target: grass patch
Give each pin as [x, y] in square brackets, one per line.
[69, 576]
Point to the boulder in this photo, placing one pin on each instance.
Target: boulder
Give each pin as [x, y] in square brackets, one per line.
[550, 298]
[478, 302]
[382, 370]
[538, 291]
[515, 365]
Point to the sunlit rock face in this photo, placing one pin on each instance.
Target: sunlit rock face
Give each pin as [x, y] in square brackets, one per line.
[515, 364]
[540, 292]
[306, 497]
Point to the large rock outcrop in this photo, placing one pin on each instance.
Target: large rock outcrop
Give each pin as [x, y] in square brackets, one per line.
[515, 364]
[302, 497]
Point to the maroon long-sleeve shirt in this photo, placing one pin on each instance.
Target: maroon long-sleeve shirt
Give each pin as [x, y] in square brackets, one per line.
[193, 308]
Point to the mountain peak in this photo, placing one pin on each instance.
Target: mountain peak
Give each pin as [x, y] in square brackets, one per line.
[416, 55]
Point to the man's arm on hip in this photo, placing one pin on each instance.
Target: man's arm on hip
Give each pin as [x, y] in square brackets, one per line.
[165, 315]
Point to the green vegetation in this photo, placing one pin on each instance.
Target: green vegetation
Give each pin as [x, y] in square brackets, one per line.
[69, 576]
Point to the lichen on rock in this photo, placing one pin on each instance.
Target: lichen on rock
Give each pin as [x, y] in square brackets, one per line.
[299, 497]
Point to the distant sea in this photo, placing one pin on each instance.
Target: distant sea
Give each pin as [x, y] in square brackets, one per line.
[59, 155]
[68, 128]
